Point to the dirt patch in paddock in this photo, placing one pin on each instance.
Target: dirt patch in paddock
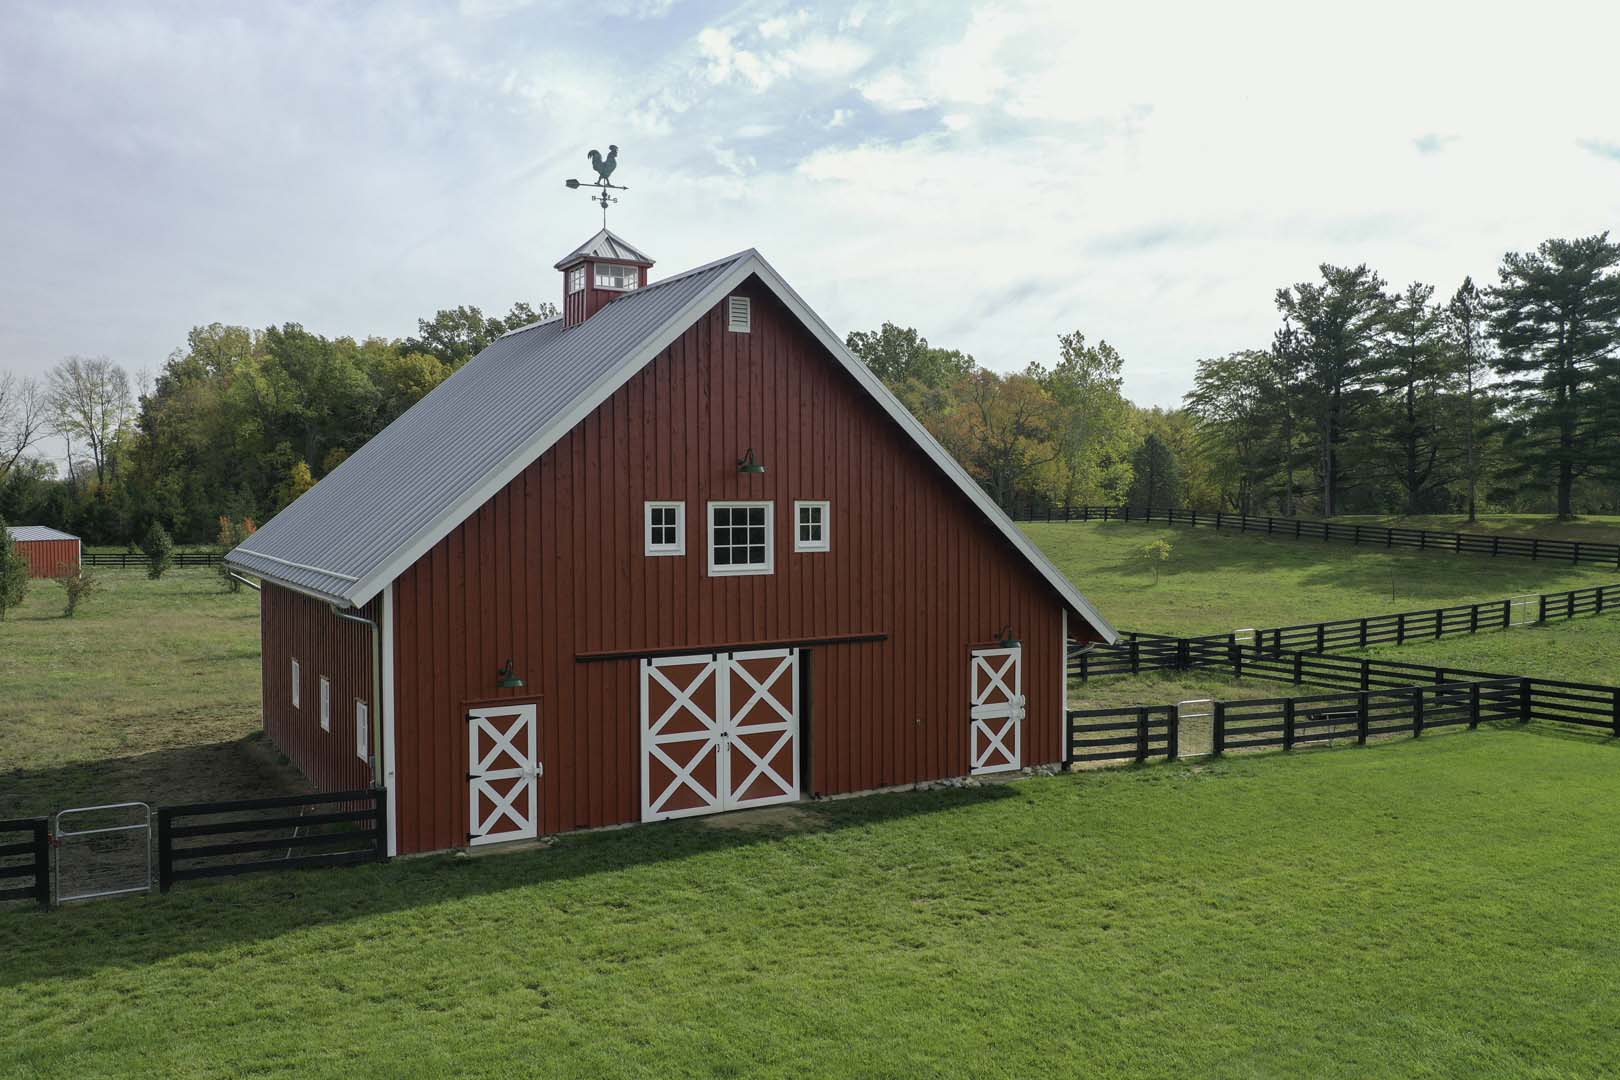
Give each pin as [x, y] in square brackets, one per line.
[789, 817]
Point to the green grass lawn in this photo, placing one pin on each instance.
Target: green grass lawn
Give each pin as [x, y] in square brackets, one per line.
[1599, 528]
[1579, 650]
[1217, 581]
[151, 691]
[1441, 907]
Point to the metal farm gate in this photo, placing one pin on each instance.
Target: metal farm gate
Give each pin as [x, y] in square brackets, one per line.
[102, 851]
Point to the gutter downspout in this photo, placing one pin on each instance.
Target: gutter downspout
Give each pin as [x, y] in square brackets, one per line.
[375, 709]
[250, 583]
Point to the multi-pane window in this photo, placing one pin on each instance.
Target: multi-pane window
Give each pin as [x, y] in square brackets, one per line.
[362, 730]
[576, 279]
[326, 704]
[615, 276]
[740, 538]
[666, 528]
[812, 524]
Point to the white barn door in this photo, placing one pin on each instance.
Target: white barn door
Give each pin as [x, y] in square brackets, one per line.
[996, 725]
[719, 732]
[502, 774]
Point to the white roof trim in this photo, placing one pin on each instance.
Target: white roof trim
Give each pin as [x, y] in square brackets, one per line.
[748, 263]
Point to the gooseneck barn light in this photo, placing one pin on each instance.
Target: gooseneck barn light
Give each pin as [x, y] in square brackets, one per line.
[747, 464]
[509, 678]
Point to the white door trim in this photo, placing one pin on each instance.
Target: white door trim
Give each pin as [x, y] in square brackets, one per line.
[996, 695]
[741, 722]
[518, 809]
[653, 737]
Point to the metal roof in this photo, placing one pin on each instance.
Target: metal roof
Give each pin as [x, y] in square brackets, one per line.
[606, 244]
[374, 515]
[417, 469]
[37, 532]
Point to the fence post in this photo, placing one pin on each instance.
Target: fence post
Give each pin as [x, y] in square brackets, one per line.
[1535, 547]
[1288, 724]
[1524, 701]
[1417, 711]
[1183, 654]
[1321, 637]
[1357, 540]
[165, 822]
[1577, 557]
[1366, 674]
[1217, 519]
[1083, 662]
[1507, 614]
[42, 862]
[1400, 629]
[1439, 622]
[1237, 658]
[1194, 520]
[1068, 740]
[1141, 735]
[1389, 537]
[1617, 713]
[1299, 668]
[1296, 528]
[1473, 706]
[1541, 608]
[1473, 619]
[1218, 739]
[1270, 521]
[1361, 718]
[1173, 733]
[1136, 656]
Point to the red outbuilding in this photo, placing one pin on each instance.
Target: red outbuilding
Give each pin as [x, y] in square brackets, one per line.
[50, 553]
[676, 552]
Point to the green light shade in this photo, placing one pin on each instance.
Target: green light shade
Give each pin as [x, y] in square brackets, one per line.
[509, 679]
[747, 463]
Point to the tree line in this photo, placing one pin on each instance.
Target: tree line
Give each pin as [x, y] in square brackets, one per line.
[1367, 399]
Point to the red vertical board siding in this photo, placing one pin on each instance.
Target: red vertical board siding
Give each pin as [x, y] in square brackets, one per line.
[553, 567]
[47, 557]
[295, 626]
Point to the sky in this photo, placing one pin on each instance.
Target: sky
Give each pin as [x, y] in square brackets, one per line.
[992, 174]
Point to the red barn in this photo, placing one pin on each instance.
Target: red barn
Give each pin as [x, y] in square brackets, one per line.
[47, 550]
[675, 552]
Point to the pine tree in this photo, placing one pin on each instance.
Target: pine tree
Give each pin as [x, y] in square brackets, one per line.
[1158, 474]
[1465, 322]
[1556, 322]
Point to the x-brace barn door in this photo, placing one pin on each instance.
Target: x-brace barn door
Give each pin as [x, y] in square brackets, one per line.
[502, 774]
[997, 719]
[719, 732]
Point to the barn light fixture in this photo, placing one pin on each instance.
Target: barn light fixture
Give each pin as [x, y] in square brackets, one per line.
[747, 464]
[1007, 639]
[509, 678]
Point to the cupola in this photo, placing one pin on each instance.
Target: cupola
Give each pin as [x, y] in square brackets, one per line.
[600, 270]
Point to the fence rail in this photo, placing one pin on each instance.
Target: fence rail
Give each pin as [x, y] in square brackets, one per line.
[358, 831]
[25, 865]
[1389, 536]
[128, 559]
[1139, 733]
[1583, 704]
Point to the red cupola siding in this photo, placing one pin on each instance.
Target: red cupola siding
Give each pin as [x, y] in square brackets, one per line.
[683, 555]
[600, 270]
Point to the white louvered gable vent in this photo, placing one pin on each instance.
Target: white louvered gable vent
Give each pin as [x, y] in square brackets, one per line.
[740, 317]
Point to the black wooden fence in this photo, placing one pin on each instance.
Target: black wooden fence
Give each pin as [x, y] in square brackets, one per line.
[127, 559]
[1586, 705]
[1143, 732]
[1459, 543]
[356, 832]
[25, 865]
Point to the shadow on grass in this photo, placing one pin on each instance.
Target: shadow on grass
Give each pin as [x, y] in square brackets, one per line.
[243, 768]
[202, 917]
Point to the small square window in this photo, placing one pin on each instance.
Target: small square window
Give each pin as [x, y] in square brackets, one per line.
[326, 704]
[739, 315]
[296, 696]
[362, 730]
[812, 522]
[576, 279]
[666, 528]
[740, 540]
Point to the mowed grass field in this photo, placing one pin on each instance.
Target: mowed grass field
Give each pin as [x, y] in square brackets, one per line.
[151, 691]
[1216, 582]
[1432, 908]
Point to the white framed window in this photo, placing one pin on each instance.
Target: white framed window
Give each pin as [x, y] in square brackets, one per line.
[296, 696]
[739, 314]
[576, 279]
[326, 704]
[362, 730]
[740, 538]
[812, 522]
[666, 528]
[616, 276]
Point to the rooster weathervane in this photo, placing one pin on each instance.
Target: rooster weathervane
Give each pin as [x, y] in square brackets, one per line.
[604, 167]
